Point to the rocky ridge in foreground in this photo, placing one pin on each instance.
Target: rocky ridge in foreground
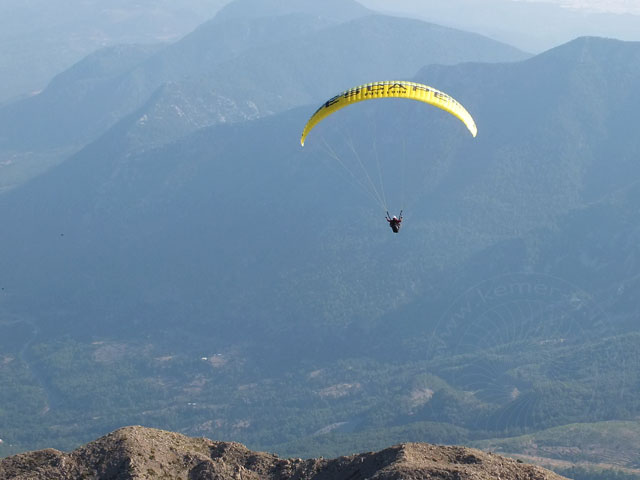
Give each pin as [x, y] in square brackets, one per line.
[145, 453]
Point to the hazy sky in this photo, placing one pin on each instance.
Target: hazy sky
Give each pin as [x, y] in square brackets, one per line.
[614, 6]
[533, 26]
[41, 38]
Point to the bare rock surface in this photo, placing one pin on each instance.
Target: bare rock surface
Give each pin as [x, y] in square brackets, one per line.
[145, 453]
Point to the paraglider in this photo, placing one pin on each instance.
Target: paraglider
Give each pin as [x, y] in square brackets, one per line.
[395, 222]
[409, 90]
[391, 89]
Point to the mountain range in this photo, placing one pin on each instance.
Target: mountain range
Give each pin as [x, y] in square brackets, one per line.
[533, 26]
[210, 276]
[208, 77]
[39, 40]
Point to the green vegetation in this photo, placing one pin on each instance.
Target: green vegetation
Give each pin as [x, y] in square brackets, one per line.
[612, 442]
[342, 407]
[580, 473]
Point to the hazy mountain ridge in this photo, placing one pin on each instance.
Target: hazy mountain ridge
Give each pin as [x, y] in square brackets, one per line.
[198, 52]
[59, 116]
[136, 452]
[210, 76]
[532, 26]
[39, 40]
[336, 10]
[288, 75]
[81, 110]
[303, 67]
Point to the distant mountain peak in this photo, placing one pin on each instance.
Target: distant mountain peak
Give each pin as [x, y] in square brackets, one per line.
[340, 10]
[138, 452]
[592, 43]
[592, 50]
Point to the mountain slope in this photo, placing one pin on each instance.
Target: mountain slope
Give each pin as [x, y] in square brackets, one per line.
[82, 102]
[39, 40]
[256, 171]
[603, 444]
[226, 268]
[209, 76]
[315, 66]
[288, 75]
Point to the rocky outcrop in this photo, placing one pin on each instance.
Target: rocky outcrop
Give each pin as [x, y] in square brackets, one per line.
[144, 453]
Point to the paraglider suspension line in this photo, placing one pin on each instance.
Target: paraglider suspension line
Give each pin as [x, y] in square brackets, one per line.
[380, 177]
[372, 192]
[378, 195]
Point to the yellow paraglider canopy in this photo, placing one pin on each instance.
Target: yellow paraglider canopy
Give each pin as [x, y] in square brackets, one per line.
[391, 89]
